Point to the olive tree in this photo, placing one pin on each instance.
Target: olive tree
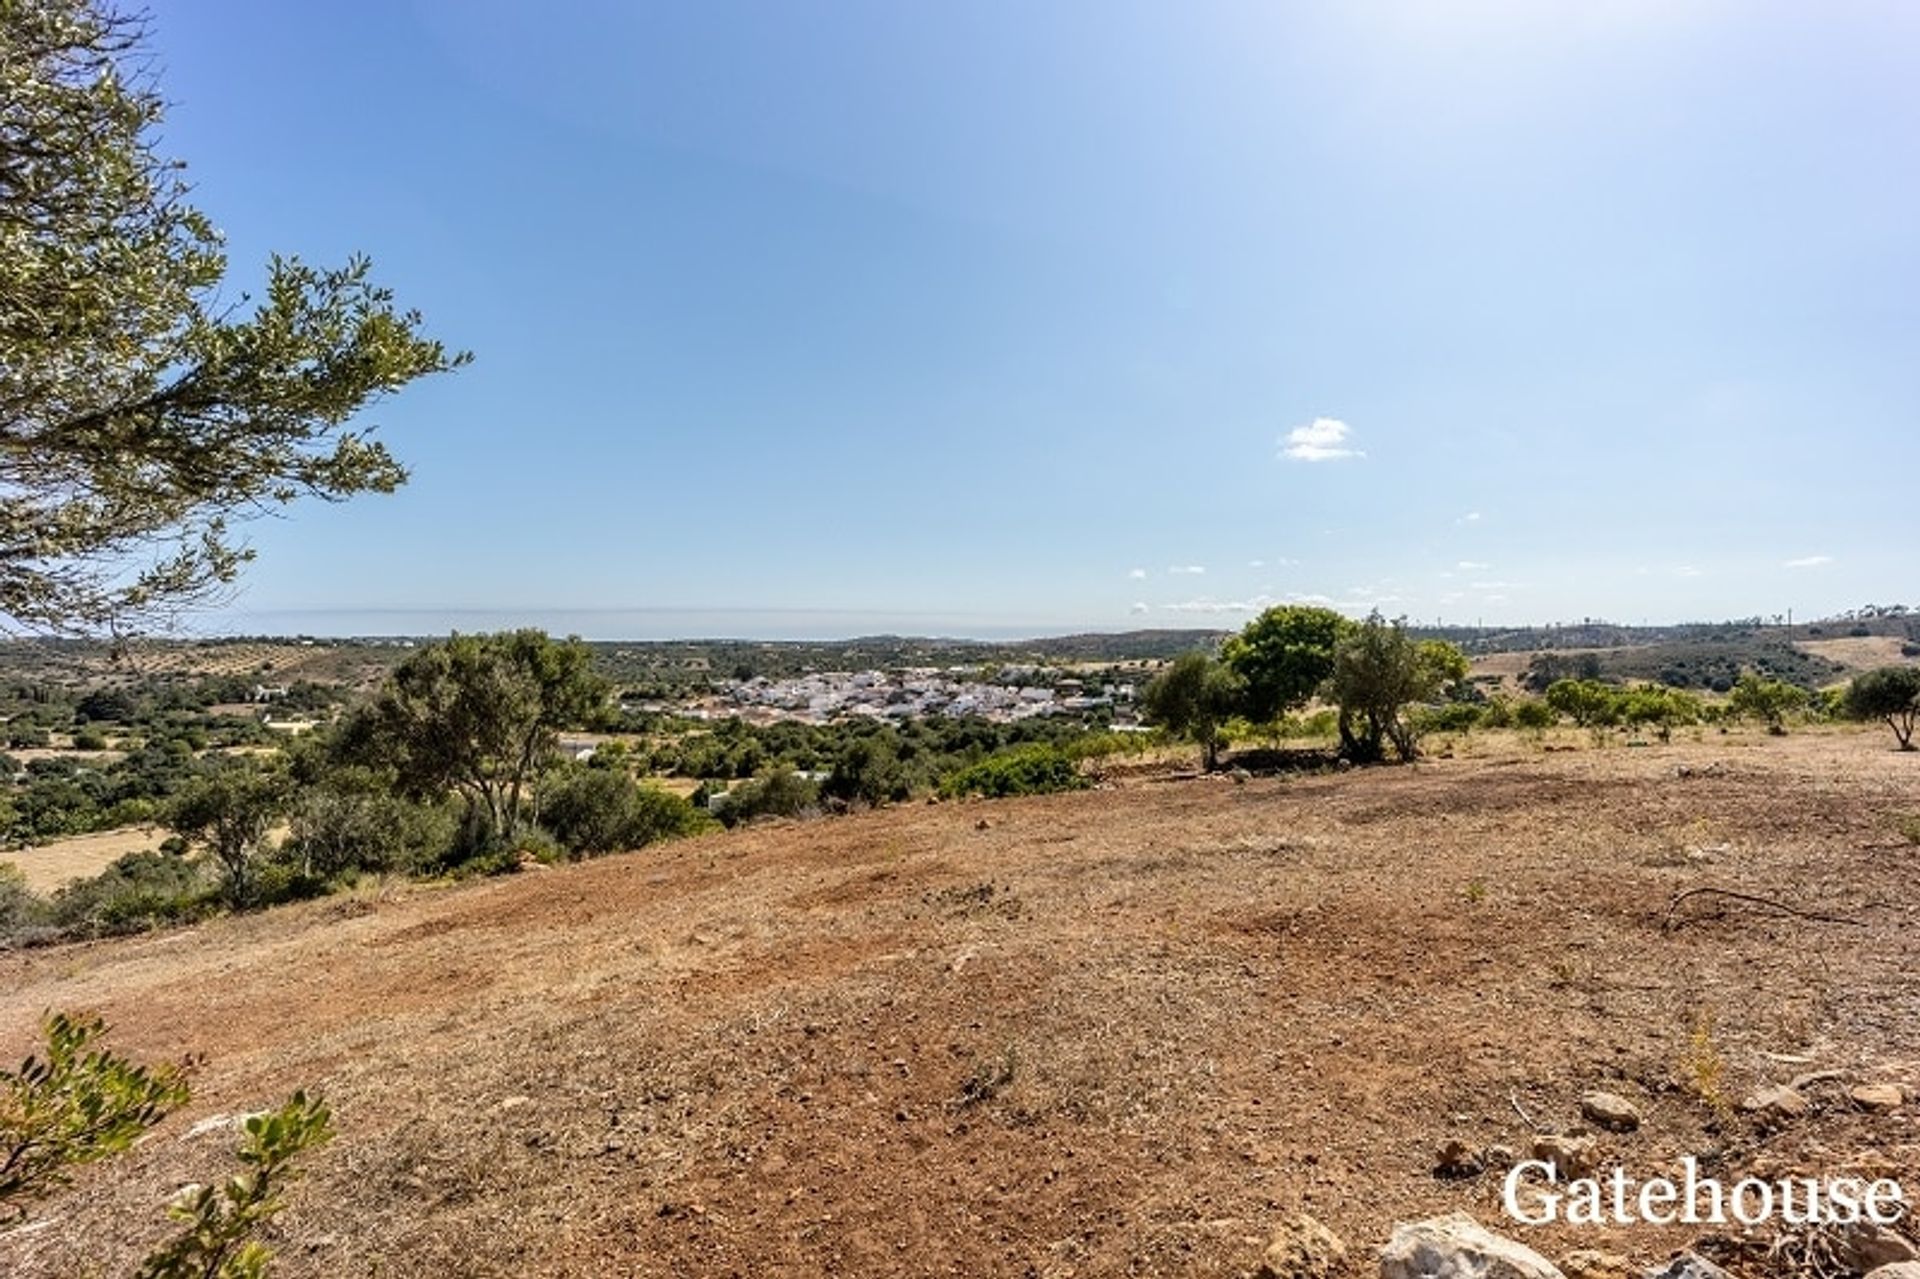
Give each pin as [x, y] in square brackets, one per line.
[1379, 671]
[1193, 698]
[143, 408]
[476, 714]
[1891, 693]
[231, 813]
[1767, 700]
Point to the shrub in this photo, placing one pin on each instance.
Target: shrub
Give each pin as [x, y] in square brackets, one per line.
[778, 792]
[1454, 717]
[339, 830]
[89, 739]
[1532, 713]
[1768, 700]
[78, 1104]
[1891, 693]
[1588, 703]
[1030, 770]
[602, 810]
[137, 892]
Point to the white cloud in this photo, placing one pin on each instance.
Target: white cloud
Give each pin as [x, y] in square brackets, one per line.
[1254, 605]
[1141, 607]
[1498, 586]
[1686, 570]
[1138, 574]
[1256, 563]
[1808, 561]
[1473, 566]
[1322, 440]
[1471, 517]
[1188, 570]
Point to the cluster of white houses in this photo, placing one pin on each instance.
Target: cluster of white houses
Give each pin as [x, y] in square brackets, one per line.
[907, 694]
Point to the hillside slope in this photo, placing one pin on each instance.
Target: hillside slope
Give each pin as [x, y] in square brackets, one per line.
[1119, 1032]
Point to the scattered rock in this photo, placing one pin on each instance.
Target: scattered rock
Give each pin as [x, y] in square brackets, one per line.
[1303, 1249]
[1500, 1157]
[1458, 1247]
[1777, 1103]
[1611, 1111]
[1571, 1157]
[1589, 1264]
[1898, 1270]
[1867, 1245]
[1688, 1265]
[1458, 1159]
[1878, 1099]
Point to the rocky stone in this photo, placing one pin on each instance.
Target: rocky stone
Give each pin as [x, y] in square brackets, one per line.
[1458, 1159]
[1590, 1264]
[1303, 1249]
[1898, 1270]
[1611, 1111]
[1777, 1103]
[1571, 1157]
[1500, 1157]
[1458, 1247]
[1867, 1245]
[1878, 1099]
[1688, 1265]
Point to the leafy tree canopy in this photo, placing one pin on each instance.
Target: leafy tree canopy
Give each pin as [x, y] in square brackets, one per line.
[1194, 698]
[1284, 656]
[141, 409]
[1891, 693]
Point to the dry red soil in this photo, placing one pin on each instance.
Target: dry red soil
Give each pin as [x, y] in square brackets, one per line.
[1121, 1032]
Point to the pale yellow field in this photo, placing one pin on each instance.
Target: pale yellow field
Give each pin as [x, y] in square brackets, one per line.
[49, 866]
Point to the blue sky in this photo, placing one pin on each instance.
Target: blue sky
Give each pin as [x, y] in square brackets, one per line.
[832, 318]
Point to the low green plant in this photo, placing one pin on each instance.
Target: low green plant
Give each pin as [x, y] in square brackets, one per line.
[219, 1223]
[77, 1104]
[1030, 770]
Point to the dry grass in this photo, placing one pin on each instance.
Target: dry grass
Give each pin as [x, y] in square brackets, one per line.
[1114, 1032]
[48, 866]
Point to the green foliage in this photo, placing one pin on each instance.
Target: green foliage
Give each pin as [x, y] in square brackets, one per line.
[1193, 698]
[778, 792]
[1767, 700]
[230, 813]
[1379, 671]
[142, 410]
[346, 824]
[1453, 717]
[77, 1104]
[869, 770]
[137, 892]
[477, 714]
[1588, 703]
[219, 1224]
[1660, 708]
[598, 810]
[1891, 693]
[1030, 770]
[1283, 656]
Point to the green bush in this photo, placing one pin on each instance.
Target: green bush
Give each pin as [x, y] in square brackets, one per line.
[778, 792]
[137, 892]
[1454, 717]
[1533, 714]
[78, 1104]
[601, 810]
[341, 829]
[1031, 770]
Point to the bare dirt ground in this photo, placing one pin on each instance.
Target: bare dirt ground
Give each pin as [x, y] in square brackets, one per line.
[48, 866]
[1121, 1032]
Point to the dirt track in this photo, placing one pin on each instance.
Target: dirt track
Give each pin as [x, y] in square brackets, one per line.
[1120, 1032]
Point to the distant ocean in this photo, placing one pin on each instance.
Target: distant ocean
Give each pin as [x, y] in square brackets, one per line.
[633, 623]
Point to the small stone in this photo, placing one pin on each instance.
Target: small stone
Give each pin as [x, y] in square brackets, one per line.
[1590, 1264]
[1303, 1249]
[1457, 1159]
[1878, 1099]
[1688, 1265]
[1867, 1245]
[1500, 1157]
[1571, 1157]
[1898, 1270]
[1611, 1111]
[1458, 1247]
[1777, 1103]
